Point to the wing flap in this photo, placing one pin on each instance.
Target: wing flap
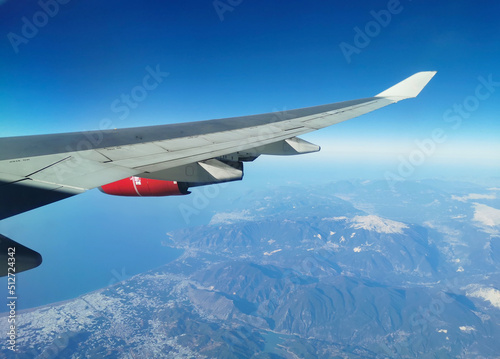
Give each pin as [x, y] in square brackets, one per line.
[290, 146]
[220, 171]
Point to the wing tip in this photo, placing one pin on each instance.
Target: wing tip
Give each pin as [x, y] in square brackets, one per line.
[25, 258]
[408, 88]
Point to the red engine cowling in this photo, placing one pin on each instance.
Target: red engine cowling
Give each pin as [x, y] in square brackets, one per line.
[144, 187]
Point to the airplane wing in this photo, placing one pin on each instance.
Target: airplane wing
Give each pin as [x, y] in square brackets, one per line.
[38, 170]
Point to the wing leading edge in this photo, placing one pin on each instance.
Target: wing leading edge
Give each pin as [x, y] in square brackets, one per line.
[38, 170]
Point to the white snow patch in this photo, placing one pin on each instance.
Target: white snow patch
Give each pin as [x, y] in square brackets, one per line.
[271, 253]
[473, 196]
[433, 203]
[230, 217]
[377, 224]
[318, 236]
[331, 245]
[460, 216]
[445, 331]
[332, 233]
[335, 219]
[357, 249]
[467, 328]
[310, 249]
[342, 239]
[486, 215]
[460, 269]
[491, 295]
[271, 241]
[352, 235]
[452, 235]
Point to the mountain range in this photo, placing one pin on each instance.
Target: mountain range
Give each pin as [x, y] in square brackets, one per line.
[351, 269]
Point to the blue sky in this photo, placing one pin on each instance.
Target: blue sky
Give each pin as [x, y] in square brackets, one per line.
[72, 70]
[263, 56]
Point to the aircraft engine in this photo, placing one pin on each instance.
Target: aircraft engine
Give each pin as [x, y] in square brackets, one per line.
[145, 187]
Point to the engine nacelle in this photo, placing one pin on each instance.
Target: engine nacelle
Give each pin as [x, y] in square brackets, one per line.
[144, 187]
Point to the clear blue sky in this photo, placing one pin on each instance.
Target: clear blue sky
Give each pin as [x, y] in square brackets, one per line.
[254, 57]
[65, 74]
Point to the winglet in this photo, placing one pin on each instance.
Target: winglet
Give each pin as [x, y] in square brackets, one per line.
[408, 88]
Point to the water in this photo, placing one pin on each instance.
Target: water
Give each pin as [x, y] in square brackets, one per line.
[89, 242]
